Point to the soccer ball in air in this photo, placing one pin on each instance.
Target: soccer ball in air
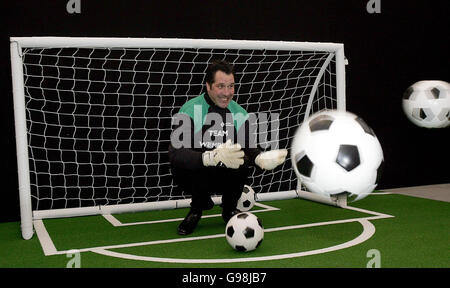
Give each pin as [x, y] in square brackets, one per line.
[427, 104]
[336, 152]
[247, 200]
[244, 232]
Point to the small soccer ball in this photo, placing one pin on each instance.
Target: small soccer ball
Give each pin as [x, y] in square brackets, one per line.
[336, 152]
[427, 104]
[244, 232]
[247, 200]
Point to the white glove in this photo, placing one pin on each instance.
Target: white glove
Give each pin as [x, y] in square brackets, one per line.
[271, 159]
[227, 154]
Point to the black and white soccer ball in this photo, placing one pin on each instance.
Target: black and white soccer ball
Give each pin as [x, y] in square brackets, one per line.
[244, 232]
[247, 199]
[427, 104]
[336, 152]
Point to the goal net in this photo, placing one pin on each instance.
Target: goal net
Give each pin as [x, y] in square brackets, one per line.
[93, 115]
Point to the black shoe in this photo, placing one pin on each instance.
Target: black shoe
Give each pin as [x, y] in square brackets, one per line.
[187, 226]
[226, 215]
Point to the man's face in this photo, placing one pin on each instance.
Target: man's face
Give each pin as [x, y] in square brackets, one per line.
[221, 91]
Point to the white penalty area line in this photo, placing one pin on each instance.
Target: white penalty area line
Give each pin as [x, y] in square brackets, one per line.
[49, 247]
[368, 230]
[44, 238]
[367, 233]
[381, 193]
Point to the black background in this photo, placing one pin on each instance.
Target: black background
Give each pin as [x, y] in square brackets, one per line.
[388, 51]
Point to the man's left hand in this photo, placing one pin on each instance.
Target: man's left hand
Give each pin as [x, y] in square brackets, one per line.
[271, 159]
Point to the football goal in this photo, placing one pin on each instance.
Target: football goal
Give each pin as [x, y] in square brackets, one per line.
[93, 115]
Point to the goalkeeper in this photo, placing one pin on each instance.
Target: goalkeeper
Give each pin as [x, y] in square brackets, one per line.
[212, 148]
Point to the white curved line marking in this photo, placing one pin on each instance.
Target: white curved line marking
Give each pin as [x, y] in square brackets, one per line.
[368, 231]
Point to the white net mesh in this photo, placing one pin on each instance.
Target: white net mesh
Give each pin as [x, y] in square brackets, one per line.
[99, 120]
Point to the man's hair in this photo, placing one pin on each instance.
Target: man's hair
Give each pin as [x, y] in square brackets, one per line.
[218, 65]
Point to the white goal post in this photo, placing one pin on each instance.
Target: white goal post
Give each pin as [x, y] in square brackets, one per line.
[93, 115]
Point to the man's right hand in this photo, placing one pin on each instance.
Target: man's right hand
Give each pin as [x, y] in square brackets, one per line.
[227, 154]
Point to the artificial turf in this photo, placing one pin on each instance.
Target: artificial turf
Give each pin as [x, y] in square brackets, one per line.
[417, 236]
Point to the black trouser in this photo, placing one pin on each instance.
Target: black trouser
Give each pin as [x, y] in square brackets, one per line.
[207, 181]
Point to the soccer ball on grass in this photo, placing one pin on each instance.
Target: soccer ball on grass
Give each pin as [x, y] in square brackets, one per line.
[244, 232]
[247, 199]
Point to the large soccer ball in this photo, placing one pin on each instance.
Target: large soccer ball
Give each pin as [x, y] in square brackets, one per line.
[244, 232]
[247, 199]
[336, 152]
[427, 104]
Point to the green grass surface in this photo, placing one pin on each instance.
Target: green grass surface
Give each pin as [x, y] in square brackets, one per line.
[418, 236]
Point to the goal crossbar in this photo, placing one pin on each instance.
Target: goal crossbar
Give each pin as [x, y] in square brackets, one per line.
[93, 42]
